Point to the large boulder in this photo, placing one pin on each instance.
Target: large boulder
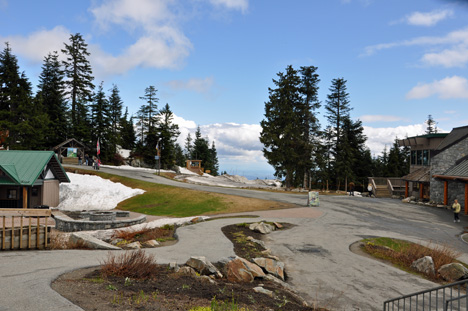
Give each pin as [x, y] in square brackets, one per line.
[262, 227]
[424, 265]
[90, 241]
[271, 266]
[203, 266]
[453, 272]
[239, 270]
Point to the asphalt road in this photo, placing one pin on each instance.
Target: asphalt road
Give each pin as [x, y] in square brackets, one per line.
[318, 261]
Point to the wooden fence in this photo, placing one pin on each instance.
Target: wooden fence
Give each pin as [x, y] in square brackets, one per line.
[22, 229]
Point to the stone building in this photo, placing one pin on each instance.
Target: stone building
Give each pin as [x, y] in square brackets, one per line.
[449, 169]
[423, 150]
[439, 167]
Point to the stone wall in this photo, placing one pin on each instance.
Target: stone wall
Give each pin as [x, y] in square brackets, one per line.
[67, 224]
[439, 165]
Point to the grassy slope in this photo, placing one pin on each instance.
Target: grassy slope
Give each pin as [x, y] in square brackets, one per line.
[179, 202]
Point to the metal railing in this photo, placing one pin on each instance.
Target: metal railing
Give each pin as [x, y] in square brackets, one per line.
[450, 297]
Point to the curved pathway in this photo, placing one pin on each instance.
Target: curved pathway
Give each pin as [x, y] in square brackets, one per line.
[316, 252]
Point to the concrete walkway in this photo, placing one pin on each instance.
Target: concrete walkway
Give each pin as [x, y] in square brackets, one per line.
[316, 252]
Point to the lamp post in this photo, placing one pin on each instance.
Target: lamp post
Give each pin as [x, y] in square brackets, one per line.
[158, 156]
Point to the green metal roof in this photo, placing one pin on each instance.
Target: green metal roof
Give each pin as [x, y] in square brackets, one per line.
[24, 167]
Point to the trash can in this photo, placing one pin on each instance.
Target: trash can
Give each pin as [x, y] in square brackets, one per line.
[313, 199]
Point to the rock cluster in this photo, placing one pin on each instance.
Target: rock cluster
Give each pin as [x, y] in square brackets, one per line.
[451, 272]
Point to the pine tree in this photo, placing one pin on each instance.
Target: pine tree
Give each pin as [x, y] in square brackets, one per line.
[20, 116]
[147, 119]
[115, 116]
[168, 133]
[337, 107]
[214, 160]
[337, 112]
[431, 125]
[80, 86]
[282, 133]
[51, 93]
[127, 132]
[188, 147]
[179, 156]
[310, 124]
[101, 123]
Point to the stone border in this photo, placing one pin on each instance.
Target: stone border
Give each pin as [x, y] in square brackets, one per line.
[67, 224]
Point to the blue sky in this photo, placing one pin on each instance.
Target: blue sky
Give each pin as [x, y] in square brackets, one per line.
[212, 61]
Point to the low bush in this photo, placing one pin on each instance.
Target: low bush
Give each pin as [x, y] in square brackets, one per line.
[131, 264]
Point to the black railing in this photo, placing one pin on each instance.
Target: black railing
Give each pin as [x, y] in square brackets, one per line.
[450, 297]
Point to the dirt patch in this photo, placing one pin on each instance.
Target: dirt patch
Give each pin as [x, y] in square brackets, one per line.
[171, 291]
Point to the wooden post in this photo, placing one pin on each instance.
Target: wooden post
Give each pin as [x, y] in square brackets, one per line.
[406, 189]
[445, 192]
[25, 197]
[21, 233]
[466, 199]
[3, 236]
[421, 190]
[12, 243]
[37, 232]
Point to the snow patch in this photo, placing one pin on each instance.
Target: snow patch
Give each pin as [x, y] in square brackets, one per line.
[89, 192]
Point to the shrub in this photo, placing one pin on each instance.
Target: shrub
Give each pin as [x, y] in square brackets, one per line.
[118, 160]
[132, 264]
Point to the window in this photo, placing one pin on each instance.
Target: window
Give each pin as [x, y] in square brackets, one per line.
[34, 191]
[413, 157]
[12, 194]
[419, 158]
[425, 157]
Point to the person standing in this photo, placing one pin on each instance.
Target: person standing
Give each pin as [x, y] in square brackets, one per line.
[351, 189]
[370, 189]
[456, 210]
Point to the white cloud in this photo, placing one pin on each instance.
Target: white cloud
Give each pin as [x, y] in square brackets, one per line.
[241, 5]
[195, 84]
[234, 142]
[379, 118]
[450, 111]
[162, 44]
[379, 138]
[38, 44]
[453, 55]
[447, 88]
[428, 18]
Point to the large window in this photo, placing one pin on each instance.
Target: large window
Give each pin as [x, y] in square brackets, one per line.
[420, 157]
[425, 158]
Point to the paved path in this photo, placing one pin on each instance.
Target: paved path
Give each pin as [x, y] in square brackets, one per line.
[316, 251]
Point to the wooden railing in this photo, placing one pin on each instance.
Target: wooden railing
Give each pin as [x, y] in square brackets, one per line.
[22, 229]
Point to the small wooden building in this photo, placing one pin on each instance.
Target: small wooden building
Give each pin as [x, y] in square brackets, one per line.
[194, 166]
[69, 151]
[30, 178]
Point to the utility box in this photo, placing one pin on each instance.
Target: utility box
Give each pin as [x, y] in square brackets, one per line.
[313, 199]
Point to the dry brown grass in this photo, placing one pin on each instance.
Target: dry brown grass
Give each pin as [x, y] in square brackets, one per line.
[144, 234]
[133, 264]
[403, 254]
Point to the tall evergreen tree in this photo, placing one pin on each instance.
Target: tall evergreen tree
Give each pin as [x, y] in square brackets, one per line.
[282, 133]
[188, 147]
[127, 132]
[337, 112]
[101, 123]
[51, 92]
[179, 156]
[308, 88]
[115, 116]
[431, 125]
[22, 118]
[214, 160]
[147, 119]
[79, 82]
[168, 133]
